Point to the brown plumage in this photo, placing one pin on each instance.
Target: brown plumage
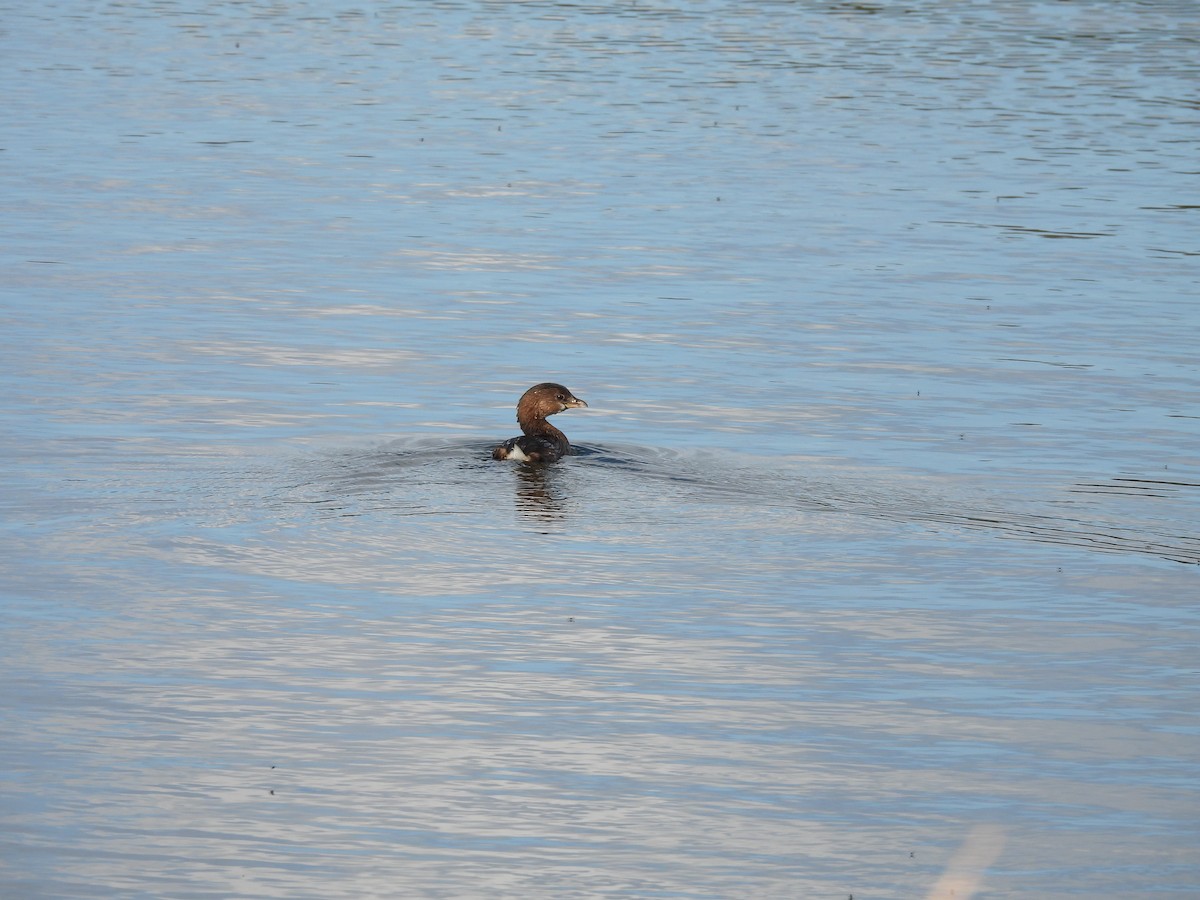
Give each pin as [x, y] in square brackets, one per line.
[540, 441]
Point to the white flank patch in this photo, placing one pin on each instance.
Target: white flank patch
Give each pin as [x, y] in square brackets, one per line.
[517, 454]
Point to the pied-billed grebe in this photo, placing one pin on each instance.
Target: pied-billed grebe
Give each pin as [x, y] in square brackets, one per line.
[541, 441]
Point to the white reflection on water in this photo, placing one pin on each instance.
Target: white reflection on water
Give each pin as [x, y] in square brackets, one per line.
[272, 735]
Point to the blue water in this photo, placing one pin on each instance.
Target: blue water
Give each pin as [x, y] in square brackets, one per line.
[881, 543]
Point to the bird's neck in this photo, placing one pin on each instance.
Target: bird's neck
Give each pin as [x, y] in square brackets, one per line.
[537, 426]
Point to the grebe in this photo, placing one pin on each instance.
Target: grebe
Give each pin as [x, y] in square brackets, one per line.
[541, 441]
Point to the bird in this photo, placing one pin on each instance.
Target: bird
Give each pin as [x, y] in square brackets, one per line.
[540, 442]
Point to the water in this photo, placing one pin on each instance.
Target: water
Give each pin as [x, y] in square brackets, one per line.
[882, 536]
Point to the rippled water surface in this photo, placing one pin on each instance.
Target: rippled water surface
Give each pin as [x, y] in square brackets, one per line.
[875, 573]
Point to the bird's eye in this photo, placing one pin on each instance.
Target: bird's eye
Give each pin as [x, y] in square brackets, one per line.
[560, 397]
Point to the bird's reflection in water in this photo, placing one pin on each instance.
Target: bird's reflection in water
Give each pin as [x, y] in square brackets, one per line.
[539, 493]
